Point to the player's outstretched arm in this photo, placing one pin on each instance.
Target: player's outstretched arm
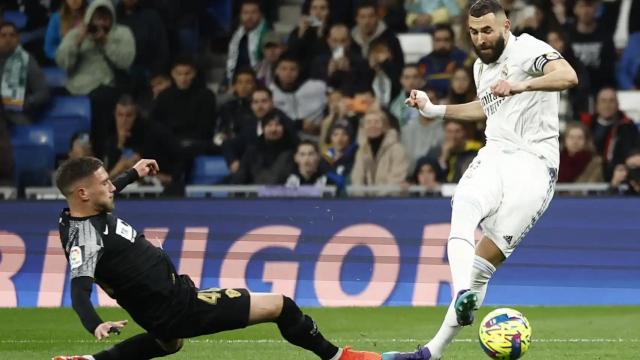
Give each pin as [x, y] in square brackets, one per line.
[81, 302]
[471, 111]
[142, 168]
[557, 75]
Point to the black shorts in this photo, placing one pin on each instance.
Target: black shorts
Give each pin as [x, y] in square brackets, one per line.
[207, 311]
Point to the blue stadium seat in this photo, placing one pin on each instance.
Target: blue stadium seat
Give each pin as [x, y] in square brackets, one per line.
[67, 115]
[18, 18]
[209, 170]
[33, 154]
[54, 76]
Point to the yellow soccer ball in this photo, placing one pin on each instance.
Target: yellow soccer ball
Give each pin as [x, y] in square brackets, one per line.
[505, 334]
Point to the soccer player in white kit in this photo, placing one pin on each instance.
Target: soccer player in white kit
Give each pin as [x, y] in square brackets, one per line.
[509, 184]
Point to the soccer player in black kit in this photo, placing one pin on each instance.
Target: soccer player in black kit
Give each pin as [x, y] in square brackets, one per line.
[104, 249]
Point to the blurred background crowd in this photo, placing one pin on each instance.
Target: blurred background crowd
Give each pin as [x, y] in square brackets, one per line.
[293, 92]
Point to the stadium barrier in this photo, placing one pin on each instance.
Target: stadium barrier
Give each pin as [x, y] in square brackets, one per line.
[328, 252]
[222, 191]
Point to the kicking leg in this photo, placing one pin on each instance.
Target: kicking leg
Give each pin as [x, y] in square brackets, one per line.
[465, 218]
[297, 328]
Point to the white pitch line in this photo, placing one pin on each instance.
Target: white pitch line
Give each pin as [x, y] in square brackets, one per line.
[341, 341]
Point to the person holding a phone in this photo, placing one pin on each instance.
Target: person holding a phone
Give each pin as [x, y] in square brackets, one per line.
[92, 54]
[307, 39]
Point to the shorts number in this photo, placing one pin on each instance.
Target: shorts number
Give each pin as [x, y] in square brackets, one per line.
[210, 296]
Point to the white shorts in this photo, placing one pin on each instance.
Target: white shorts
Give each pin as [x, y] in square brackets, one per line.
[511, 188]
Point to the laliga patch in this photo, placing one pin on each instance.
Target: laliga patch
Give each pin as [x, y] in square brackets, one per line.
[75, 257]
[125, 230]
[552, 56]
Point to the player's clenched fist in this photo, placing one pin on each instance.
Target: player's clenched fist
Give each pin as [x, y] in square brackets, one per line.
[507, 88]
[419, 100]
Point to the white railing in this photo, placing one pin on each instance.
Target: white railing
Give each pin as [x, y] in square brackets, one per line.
[231, 191]
[8, 192]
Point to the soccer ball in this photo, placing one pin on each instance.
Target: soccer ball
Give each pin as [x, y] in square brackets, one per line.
[505, 334]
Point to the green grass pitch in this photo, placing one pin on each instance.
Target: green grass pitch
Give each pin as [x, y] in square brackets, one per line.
[558, 333]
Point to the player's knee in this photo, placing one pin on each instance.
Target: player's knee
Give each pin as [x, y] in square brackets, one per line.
[171, 346]
[290, 312]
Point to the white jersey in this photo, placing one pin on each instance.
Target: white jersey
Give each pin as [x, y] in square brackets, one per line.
[526, 121]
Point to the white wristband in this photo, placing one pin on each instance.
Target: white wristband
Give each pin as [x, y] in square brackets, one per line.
[432, 111]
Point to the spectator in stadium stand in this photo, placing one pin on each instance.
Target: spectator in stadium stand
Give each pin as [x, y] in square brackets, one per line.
[518, 11]
[579, 161]
[394, 14]
[540, 21]
[456, 153]
[385, 73]
[462, 89]
[24, 91]
[244, 46]
[93, 55]
[381, 159]
[422, 15]
[80, 146]
[307, 39]
[236, 112]
[272, 49]
[369, 28]
[270, 160]
[339, 62]
[593, 45]
[426, 174]
[302, 100]
[575, 101]
[61, 22]
[6, 155]
[621, 19]
[338, 158]
[134, 138]
[437, 67]
[628, 71]
[409, 80]
[150, 34]
[246, 133]
[626, 176]
[307, 170]
[420, 137]
[158, 83]
[186, 112]
[614, 134]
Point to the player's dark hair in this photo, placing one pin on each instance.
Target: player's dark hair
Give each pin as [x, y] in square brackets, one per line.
[74, 170]
[484, 7]
[262, 88]
[445, 27]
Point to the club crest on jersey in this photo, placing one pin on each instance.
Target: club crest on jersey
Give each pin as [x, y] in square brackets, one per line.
[504, 73]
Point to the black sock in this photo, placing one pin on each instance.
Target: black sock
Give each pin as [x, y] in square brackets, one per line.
[141, 346]
[299, 329]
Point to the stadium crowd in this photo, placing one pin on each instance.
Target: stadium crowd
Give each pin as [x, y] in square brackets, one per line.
[323, 104]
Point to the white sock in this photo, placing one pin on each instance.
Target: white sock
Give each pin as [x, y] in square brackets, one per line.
[465, 218]
[337, 355]
[461, 247]
[480, 275]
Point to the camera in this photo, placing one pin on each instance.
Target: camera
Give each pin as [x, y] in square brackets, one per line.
[634, 174]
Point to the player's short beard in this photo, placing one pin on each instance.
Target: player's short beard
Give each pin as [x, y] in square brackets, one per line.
[106, 206]
[496, 50]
